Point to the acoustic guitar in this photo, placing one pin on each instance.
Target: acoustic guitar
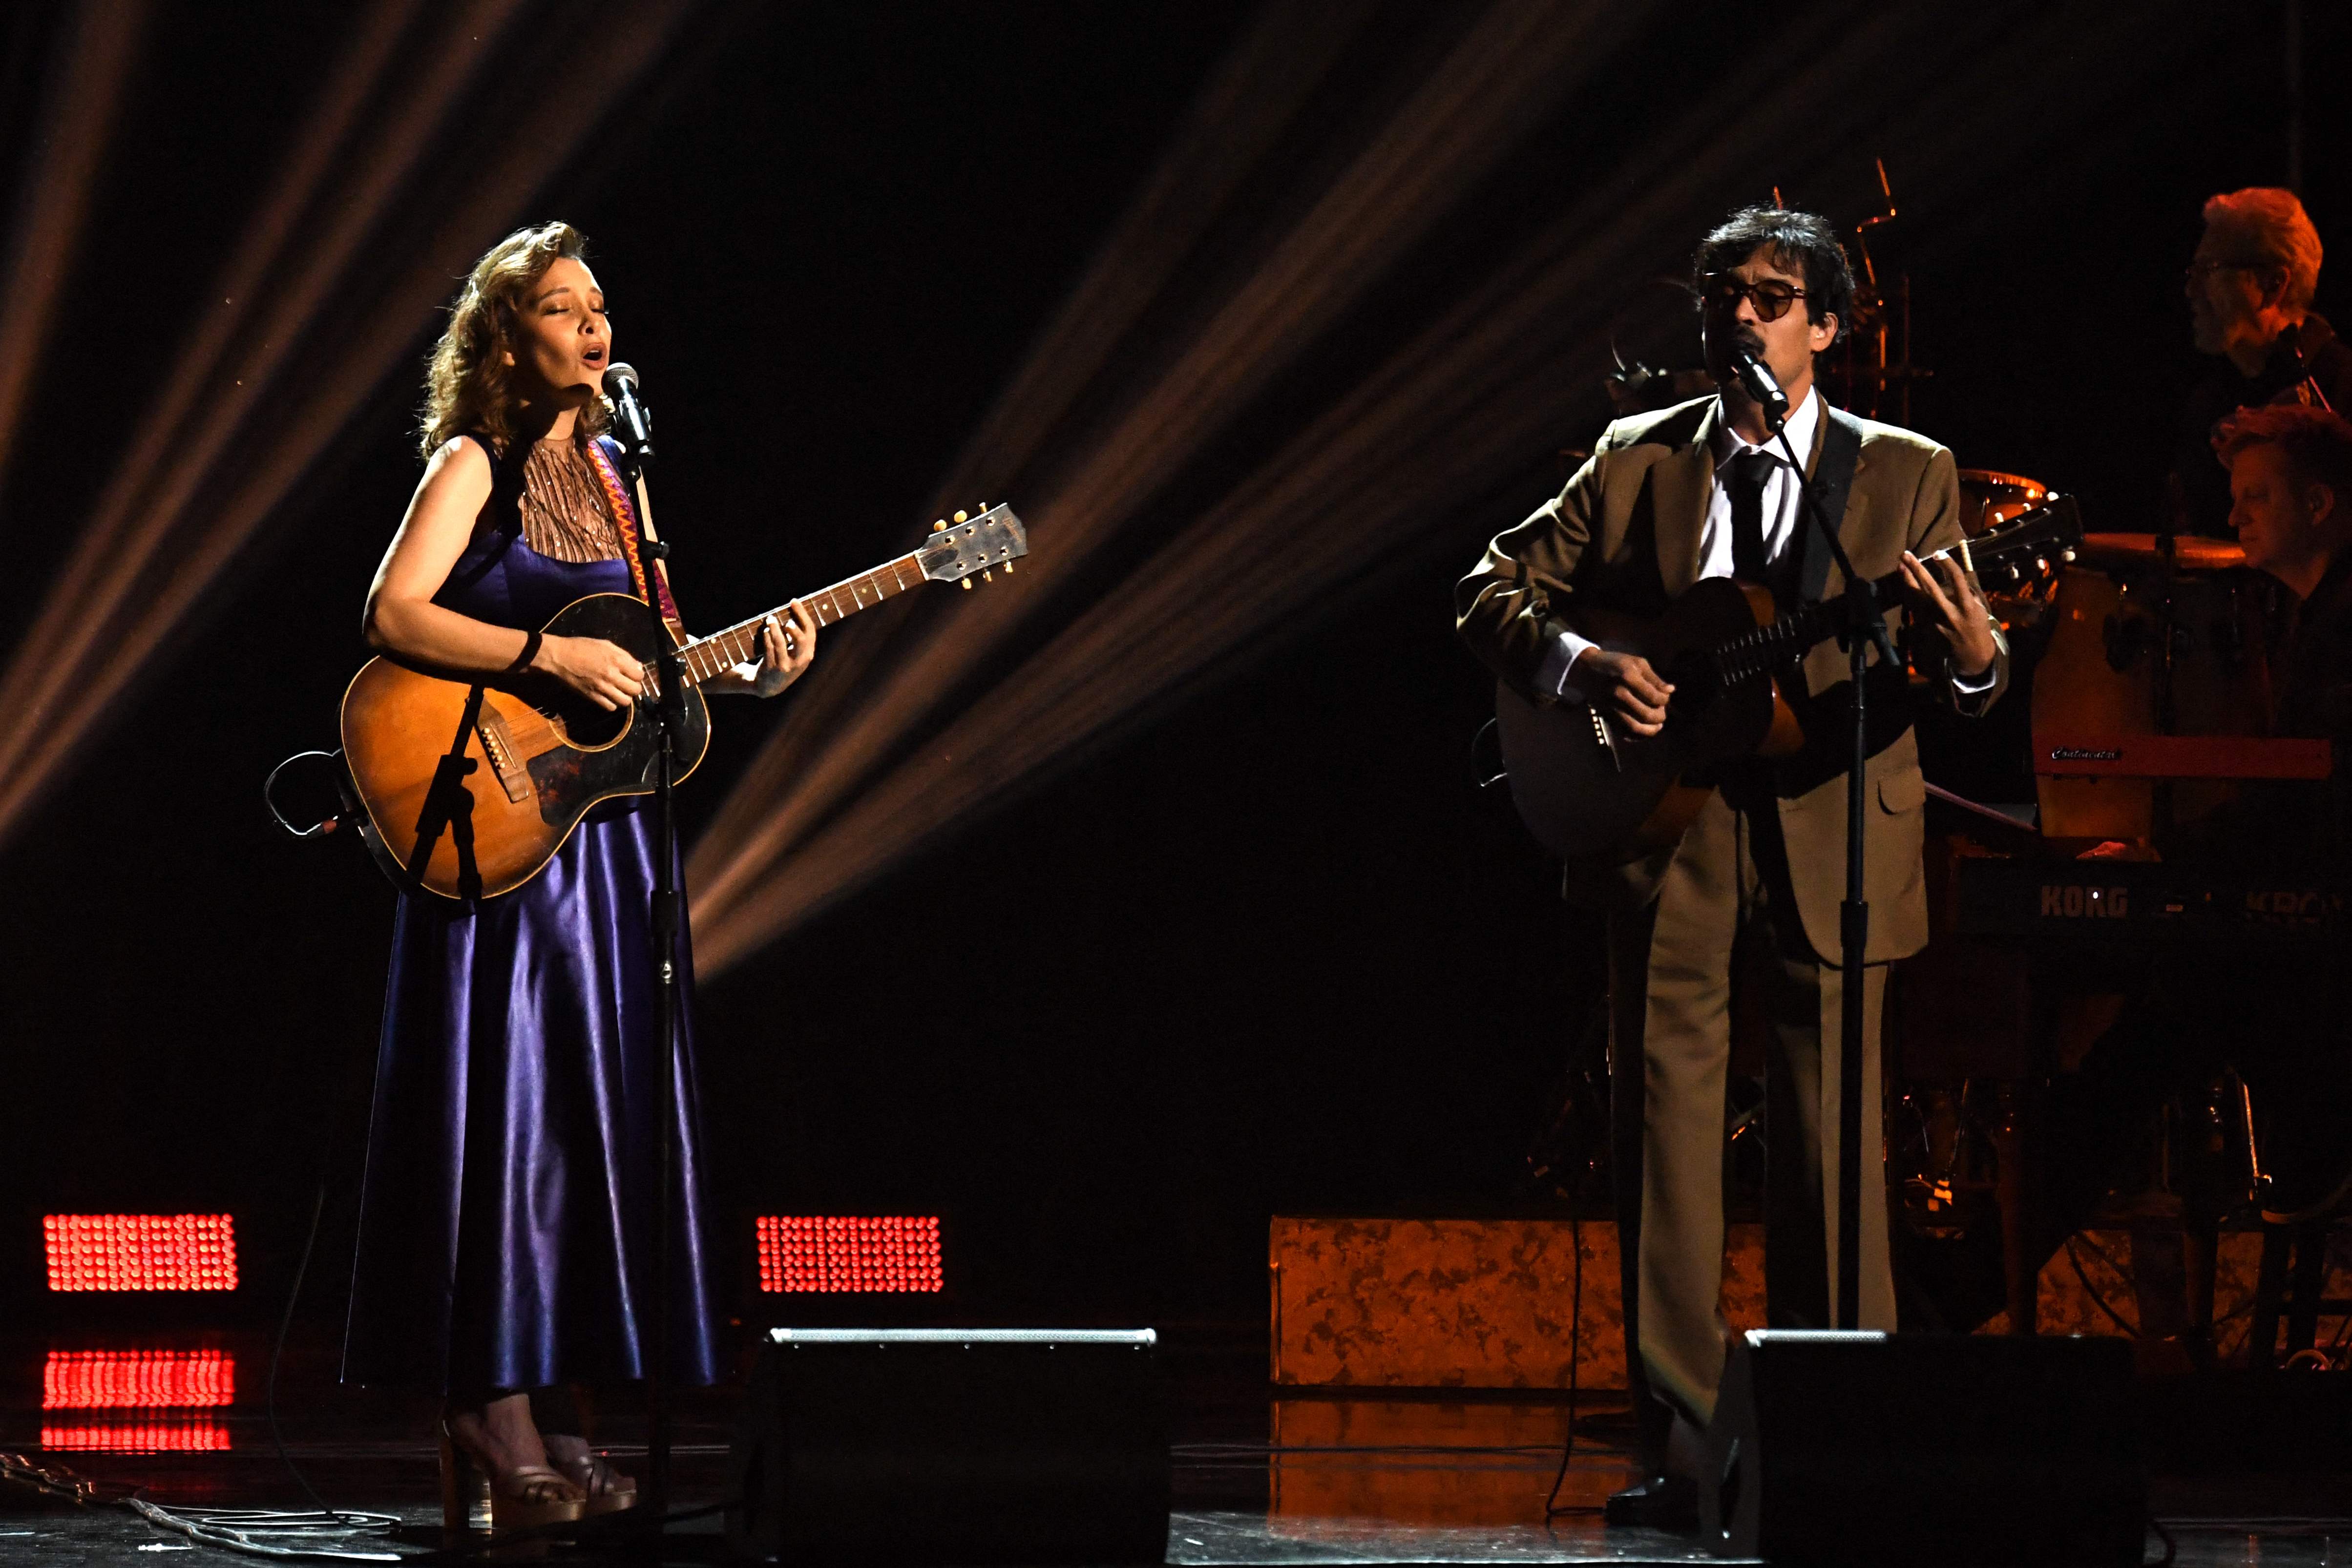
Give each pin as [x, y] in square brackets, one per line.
[1586, 787]
[468, 786]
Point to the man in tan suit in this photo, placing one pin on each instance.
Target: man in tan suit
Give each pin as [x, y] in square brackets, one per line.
[1700, 491]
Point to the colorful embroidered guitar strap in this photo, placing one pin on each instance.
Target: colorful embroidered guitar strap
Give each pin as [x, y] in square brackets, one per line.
[624, 512]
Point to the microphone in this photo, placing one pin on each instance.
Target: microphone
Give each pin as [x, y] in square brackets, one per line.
[620, 386]
[1754, 380]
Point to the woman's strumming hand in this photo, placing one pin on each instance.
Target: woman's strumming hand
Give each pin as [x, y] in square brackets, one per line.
[604, 671]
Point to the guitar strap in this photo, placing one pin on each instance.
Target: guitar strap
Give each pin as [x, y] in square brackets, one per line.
[1833, 477]
[624, 517]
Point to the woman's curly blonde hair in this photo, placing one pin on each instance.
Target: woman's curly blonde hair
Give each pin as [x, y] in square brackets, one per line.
[469, 387]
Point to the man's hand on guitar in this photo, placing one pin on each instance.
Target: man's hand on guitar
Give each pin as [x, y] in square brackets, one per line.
[1956, 609]
[1624, 688]
[605, 673]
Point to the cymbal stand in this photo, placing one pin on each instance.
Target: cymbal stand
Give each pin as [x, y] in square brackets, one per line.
[2164, 695]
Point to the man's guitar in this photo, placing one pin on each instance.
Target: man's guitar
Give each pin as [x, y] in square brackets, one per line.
[469, 786]
[1585, 787]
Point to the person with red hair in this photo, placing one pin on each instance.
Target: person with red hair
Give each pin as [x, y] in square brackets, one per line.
[2249, 288]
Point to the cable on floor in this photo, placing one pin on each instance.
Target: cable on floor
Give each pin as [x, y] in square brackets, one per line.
[268, 1532]
[1553, 1508]
[233, 1530]
[300, 1537]
[278, 1354]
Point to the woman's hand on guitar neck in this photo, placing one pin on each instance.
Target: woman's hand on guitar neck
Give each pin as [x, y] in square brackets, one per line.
[784, 651]
[605, 673]
[1624, 688]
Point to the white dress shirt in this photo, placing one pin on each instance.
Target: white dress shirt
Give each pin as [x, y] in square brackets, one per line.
[1783, 518]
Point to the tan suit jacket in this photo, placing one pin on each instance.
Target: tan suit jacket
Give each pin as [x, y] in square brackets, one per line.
[1625, 534]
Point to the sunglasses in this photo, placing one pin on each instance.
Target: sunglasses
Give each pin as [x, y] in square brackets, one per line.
[1723, 291]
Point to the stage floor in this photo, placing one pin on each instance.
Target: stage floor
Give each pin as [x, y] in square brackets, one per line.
[1295, 1480]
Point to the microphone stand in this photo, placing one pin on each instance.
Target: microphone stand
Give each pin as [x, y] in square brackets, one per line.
[668, 710]
[1862, 628]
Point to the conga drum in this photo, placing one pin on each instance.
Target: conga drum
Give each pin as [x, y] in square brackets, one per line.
[2130, 655]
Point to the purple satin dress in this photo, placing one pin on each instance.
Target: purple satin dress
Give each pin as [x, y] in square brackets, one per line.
[506, 1233]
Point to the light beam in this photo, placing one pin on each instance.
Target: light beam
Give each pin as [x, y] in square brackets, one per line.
[77, 118]
[161, 537]
[1510, 67]
[1387, 469]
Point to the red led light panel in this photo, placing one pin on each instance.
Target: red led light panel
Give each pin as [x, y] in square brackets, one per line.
[137, 1379]
[844, 1254]
[200, 1436]
[141, 1251]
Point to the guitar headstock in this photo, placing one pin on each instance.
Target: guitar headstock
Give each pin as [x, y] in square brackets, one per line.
[2029, 548]
[974, 546]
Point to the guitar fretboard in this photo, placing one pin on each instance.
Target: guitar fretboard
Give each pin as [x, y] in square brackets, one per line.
[1769, 647]
[706, 658]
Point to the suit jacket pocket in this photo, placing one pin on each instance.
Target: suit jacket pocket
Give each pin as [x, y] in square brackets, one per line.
[1814, 828]
[1903, 792]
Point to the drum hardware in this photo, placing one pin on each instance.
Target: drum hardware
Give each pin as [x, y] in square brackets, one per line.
[1877, 356]
[1637, 388]
[1947, 1193]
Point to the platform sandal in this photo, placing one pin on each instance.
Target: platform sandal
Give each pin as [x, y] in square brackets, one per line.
[525, 1498]
[617, 1491]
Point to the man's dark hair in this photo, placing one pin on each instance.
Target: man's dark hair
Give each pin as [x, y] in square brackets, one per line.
[2317, 444]
[1804, 238]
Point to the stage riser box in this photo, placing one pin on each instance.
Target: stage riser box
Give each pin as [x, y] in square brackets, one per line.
[954, 1446]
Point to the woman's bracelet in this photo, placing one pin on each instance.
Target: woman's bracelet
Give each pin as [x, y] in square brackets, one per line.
[531, 641]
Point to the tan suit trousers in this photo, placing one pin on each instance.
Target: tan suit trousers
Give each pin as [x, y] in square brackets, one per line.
[1671, 968]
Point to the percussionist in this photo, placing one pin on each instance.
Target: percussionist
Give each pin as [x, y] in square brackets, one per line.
[2249, 288]
[2273, 1009]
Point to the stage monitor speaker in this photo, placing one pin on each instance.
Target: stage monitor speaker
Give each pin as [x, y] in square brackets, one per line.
[1837, 1449]
[954, 1445]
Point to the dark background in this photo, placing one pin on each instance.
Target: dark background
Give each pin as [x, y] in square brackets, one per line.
[1265, 952]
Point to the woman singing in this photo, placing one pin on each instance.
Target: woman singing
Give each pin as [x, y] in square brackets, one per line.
[506, 1223]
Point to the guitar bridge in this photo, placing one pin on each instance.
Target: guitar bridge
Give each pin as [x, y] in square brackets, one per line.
[498, 745]
[1606, 736]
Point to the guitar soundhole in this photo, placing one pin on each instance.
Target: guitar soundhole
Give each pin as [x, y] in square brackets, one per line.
[584, 724]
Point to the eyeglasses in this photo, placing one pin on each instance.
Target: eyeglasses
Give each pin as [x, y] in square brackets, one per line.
[2199, 271]
[1724, 290]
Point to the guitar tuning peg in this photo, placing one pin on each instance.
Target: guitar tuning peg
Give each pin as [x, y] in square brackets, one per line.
[967, 585]
[985, 576]
[1008, 569]
[941, 527]
[960, 517]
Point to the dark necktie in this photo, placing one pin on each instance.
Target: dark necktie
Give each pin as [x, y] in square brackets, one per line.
[1746, 482]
